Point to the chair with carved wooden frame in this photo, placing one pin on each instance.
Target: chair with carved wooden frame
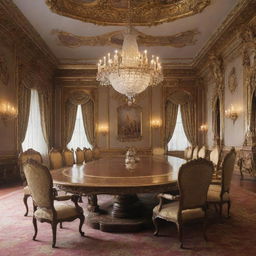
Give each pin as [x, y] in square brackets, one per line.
[195, 176]
[23, 157]
[215, 158]
[88, 155]
[79, 156]
[195, 153]
[56, 159]
[41, 186]
[202, 152]
[188, 153]
[68, 157]
[218, 193]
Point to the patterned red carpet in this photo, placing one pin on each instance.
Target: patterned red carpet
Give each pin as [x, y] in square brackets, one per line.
[234, 237]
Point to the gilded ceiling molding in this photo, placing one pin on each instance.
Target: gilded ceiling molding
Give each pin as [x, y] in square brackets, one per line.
[115, 38]
[243, 12]
[9, 13]
[115, 12]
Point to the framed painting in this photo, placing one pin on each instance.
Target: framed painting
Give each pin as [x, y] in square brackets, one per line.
[129, 121]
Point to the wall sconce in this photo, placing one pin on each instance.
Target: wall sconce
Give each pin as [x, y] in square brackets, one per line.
[156, 123]
[103, 129]
[231, 113]
[203, 128]
[7, 111]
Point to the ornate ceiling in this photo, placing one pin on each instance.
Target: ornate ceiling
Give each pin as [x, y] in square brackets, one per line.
[116, 39]
[180, 29]
[116, 12]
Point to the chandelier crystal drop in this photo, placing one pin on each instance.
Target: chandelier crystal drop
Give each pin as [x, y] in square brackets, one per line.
[129, 71]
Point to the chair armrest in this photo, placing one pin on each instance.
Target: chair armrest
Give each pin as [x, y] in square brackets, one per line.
[162, 196]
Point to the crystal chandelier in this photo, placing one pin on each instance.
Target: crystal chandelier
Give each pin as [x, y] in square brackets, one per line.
[129, 71]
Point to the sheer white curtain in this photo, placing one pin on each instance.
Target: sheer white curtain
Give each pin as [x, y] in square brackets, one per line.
[79, 138]
[179, 140]
[34, 135]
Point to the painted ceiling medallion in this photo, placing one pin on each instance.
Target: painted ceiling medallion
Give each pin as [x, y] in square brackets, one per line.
[115, 38]
[115, 12]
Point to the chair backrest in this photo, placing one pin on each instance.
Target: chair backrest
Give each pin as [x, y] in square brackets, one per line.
[158, 151]
[227, 169]
[56, 159]
[96, 152]
[188, 153]
[202, 152]
[215, 155]
[194, 179]
[79, 156]
[24, 156]
[195, 153]
[68, 156]
[88, 155]
[40, 183]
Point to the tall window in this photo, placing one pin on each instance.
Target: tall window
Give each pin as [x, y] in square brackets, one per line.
[79, 138]
[179, 139]
[34, 135]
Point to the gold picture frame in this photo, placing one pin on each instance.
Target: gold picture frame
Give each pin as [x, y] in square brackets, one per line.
[129, 123]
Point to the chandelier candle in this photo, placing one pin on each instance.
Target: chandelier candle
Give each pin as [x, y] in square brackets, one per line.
[129, 71]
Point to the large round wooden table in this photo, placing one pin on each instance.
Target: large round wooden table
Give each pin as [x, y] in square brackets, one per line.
[110, 175]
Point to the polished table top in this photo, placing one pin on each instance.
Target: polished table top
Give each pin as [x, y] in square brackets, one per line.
[111, 172]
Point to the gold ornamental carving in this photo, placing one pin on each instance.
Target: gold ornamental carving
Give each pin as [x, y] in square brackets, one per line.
[115, 12]
[115, 38]
[232, 80]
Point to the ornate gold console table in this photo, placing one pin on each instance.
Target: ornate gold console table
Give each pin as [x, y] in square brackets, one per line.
[111, 176]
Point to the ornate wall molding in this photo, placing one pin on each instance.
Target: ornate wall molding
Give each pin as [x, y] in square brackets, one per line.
[248, 37]
[232, 80]
[228, 31]
[217, 71]
[115, 38]
[143, 12]
[15, 16]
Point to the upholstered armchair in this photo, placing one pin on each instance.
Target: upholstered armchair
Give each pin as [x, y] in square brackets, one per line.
[88, 155]
[23, 157]
[202, 152]
[218, 193]
[68, 156]
[215, 158]
[96, 153]
[56, 159]
[41, 186]
[188, 153]
[195, 153]
[79, 156]
[193, 181]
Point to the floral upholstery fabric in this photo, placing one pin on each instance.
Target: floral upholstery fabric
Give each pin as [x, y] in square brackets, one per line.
[170, 211]
[63, 212]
